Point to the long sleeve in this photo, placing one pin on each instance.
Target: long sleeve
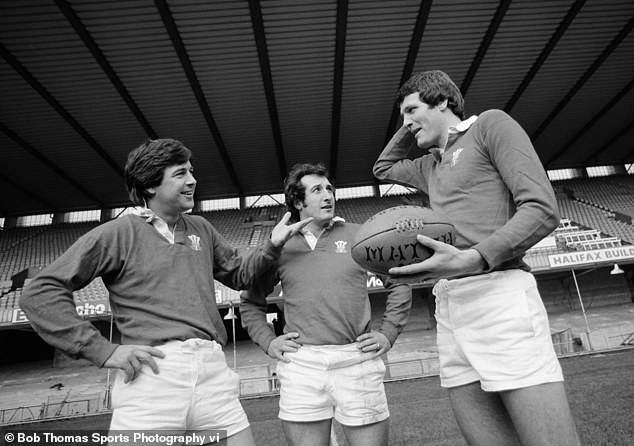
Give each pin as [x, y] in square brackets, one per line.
[489, 182]
[397, 309]
[48, 301]
[536, 214]
[394, 166]
[239, 272]
[253, 310]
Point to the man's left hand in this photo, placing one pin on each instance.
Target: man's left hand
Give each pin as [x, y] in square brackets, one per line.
[374, 342]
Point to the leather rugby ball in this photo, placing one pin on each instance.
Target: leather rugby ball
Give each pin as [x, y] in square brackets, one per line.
[388, 238]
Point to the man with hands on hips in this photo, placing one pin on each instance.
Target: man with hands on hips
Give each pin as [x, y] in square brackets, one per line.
[496, 356]
[159, 266]
[329, 357]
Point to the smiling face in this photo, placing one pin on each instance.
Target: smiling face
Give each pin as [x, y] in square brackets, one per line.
[175, 194]
[319, 201]
[429, 125]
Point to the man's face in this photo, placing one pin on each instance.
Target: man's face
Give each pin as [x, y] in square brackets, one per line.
[175, 194]
[427, 124]
[319, 201]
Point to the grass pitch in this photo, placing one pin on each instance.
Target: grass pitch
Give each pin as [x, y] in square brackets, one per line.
[600, 391]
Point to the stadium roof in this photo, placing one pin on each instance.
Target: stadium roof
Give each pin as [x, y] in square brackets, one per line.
[253, 87]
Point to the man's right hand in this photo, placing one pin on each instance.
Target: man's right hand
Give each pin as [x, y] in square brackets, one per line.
[283, 231]
[130, 359]
[283, 344]
[447, 261]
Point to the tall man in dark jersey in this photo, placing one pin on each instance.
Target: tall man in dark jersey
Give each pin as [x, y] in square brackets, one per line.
[496, 355]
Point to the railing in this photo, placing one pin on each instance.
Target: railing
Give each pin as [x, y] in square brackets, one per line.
[623, 339]
[93, 404]
[255, 387]
[394, 371]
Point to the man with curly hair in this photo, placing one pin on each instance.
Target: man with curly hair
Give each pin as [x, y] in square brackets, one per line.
[159, 267]
[329, 363]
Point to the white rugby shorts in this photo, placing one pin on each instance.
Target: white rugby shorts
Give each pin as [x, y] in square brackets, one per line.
[340, 381]
[193, 391]
[493, 328]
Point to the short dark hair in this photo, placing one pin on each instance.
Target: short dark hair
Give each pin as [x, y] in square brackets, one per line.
[146, 165]
[433, 87]
[294, 190]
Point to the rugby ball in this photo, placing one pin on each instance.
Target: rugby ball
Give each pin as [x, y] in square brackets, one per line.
[388, 238]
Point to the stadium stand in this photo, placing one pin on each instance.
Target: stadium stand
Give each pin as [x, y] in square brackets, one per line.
[613, 194]
[246, 228]
[10, 299]
[24, 247]
[593, 217]
[94, 292]
[27, 248]
[589, 203]
[358, 210]
[588, 224]
[605, 203]
[5, 286]
[238, 226]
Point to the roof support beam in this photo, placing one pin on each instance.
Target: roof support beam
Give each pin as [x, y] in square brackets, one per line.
[179, 47]
[26, 192]
[584, 78]
[552, 42]
[410, 60]
[48, 97]
[600, 114]
[48, 163]
[257, 22]
[96, 52]
[337, 84]
[484, 45]
[612, 140]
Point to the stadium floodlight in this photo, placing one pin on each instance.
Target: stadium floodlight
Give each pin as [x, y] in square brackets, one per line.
[231, 315]
[583, 309]
[616, 270]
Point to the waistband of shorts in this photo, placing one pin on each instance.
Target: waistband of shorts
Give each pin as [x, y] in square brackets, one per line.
[514, 276]
[192, 344]
[330, 357]
[326, 348]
